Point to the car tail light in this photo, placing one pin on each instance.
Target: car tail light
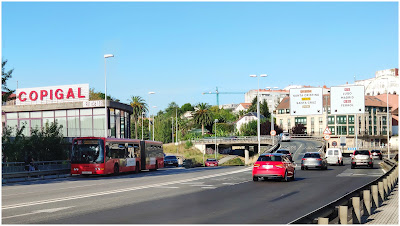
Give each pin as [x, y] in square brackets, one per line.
[303, 159]
[319, 159]
[256, 165]
[279, 166]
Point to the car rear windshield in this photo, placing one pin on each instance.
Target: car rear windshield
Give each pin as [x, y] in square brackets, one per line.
[283, 151]
[312, 155]
[170, 157]
[270, 158]
[376, 151]
[361, 152]
[211, 160]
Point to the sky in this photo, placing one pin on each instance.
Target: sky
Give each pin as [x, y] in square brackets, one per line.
[181, 49]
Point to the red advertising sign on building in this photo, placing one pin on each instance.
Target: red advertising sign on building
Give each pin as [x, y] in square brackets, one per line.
[53, 94]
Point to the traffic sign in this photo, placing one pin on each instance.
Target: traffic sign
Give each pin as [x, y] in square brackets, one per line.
[334, 143]
[273, 133]
[306, 101]
[347, 100]
[327, 137]
[327, 131]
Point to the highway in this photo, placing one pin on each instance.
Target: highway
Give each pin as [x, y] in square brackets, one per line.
[183, 196]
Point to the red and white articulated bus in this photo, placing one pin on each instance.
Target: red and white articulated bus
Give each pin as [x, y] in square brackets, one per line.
[99, 155]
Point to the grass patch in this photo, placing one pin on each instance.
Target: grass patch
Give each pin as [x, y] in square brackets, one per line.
[234, 162]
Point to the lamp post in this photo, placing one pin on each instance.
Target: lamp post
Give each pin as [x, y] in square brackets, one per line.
[172, 129]
[142, 123]
[215, 131]
[387, 115]
[258, 108]
[153, 122]
[272, 116]
[105, 95]
[149, 113]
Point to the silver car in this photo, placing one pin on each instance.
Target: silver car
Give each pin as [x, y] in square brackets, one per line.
[314, 160]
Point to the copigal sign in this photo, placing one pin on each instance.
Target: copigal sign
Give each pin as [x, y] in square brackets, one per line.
[347, 100]
[306, 101]
[53, 94]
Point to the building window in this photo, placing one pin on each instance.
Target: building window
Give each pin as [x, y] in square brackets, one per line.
[351, 130]
[320, 120]
[351, 119]
[342, 119]
[288, 123]
[332, 129]
[331, 119]
[312, 121]
[300, 120]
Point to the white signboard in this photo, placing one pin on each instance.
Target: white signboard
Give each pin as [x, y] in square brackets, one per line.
[94, 103]
[347, 100]
[306, 101]
[53, 94]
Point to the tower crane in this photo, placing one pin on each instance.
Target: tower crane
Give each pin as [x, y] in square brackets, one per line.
[217, 93]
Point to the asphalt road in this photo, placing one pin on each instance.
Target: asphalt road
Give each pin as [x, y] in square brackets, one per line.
[178, 195]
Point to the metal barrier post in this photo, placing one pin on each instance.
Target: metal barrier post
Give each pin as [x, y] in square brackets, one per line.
[343, 214]
[322, 220]
[356, 214]
[375, 198]
[385, 187]
[381, 191]
[367, 202]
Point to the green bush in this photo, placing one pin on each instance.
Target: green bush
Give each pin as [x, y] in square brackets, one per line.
[188, 144]
[234, 162]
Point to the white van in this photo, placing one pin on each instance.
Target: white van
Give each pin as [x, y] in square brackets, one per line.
[334, 156]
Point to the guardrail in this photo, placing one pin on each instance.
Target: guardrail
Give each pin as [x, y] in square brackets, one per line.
[234, 139]
[43, 168]
[360, 202]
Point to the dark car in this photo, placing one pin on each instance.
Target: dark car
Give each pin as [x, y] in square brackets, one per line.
[171, 160]
[377, 153]
[286, 152]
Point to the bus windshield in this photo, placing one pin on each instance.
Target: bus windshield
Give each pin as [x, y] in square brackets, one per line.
[88, 151]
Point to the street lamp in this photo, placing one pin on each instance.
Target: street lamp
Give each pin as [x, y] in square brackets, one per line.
[387, 115]
[105, 95]
[153, 122]
[272, 115]
[258, 109]
[142, 123]
[215, 131]
[149, 112]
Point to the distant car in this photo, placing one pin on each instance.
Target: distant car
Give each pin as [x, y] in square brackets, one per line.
[274, 166]
[314, 160]
[362, 158]
[211, 162]
[285, 137]
[170, 160]
[334, 156]
[286, 152]
[377, 153]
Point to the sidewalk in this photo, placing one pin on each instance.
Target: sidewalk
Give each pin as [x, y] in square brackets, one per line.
[388, 213]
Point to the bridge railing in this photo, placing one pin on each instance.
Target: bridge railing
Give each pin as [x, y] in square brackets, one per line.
[351, 207]
[234, 139]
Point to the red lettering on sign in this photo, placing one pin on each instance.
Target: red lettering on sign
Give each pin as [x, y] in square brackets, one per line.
[31, 94]
[51, 94]
[59, 96]
[346, 89]
[70, 93]
[20, 96]
[43, 93]
[79, 93]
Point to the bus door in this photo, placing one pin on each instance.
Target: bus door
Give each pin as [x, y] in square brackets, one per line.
[143, 154]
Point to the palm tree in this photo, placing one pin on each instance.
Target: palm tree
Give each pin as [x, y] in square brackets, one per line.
[139, 106]
[203, 115]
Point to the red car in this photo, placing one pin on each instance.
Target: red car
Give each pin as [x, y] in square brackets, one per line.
[274, 165]
[211, 162]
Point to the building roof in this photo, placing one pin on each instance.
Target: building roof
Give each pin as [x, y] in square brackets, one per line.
[369, 101]
[393, 100]
[245, 105]
[251, 114]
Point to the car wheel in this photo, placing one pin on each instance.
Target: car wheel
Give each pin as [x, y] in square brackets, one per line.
[371, 166]
[302, 168]
[255, 178]
[285, 178]
[341, 163]
[352, 166]
[294, 175]
[306, 167]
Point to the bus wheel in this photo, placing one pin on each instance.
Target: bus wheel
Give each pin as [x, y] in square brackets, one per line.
[116, 169]
[137, 170]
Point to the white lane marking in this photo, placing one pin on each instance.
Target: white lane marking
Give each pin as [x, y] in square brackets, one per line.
[39, 211]
[165, 187]
[209, 187]
[297, 150]
[229, 183]
[193, 183]
[119, 190]
[199, 185]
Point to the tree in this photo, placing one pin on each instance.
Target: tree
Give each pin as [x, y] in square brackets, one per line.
[139, 106]
[93, 95]
[187, 107]
[203, 115]
[264, 110]
[172, 110]
[299, 129]
[4, 77]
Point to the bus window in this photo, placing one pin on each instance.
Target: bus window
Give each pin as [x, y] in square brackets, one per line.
[88, 151]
